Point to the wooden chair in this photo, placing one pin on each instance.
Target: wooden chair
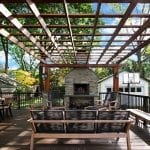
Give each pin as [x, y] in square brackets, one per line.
[5, 106]
[1, 108]
[110, 102]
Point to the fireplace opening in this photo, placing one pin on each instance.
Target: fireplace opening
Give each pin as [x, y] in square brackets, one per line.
[81, 89]
[80, 102]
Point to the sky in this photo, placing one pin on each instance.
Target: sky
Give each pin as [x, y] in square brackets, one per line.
[12, 64]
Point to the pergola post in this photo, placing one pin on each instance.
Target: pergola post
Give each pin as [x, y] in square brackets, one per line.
[115, 78]
[40, 78]
[46, 80]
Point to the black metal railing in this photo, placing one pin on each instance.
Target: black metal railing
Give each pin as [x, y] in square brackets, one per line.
[24, 100]
[135, 101]
[56, 97]
[131, 101]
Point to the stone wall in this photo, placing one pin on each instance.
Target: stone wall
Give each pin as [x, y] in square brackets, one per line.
[81, 76]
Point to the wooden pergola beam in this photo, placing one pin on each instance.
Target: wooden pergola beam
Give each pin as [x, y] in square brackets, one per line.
[135, 50]
[14, 40]
[47, 39]
[77, 34]
[77, 65]
[131, 39]
[73, 26]
[123, 20]
[43, 24]
[69, 27]
[48, 15]
[23, 30]
[75, 1]
[94, 29]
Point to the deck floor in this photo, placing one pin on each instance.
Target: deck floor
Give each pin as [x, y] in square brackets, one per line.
[15, 135]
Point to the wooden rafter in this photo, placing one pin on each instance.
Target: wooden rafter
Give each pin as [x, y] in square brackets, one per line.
[135, 50]
[78, 65]
[94, 29]
[23, 30]
[73, 26]
[69, 27]
[49, 15]
[13, 39]
[43, 24]
[62, 43]
[75, 1]
[136, 34]
[127, 14]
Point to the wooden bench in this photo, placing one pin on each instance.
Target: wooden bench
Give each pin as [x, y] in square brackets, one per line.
[80, 124]
[140, 115]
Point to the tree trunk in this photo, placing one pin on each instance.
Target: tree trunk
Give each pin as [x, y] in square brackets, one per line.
[5, 48]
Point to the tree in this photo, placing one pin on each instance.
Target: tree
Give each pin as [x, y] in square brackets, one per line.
[57, 77]
[4, 44]
[24, 60]
[25, 79]
[103, 72]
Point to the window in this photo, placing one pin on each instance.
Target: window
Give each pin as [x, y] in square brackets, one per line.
[139, 89]
[108, 89]
[126, 89]
[132, 89]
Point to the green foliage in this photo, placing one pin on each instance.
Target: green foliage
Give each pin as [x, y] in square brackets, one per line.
[146, 54]
[130, 65]
[118, 7]
[26, 62]
[4, 45]
[24, 78]
[133, 66]
[103, 72]
[57, 78]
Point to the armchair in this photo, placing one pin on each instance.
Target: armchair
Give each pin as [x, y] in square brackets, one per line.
[110, 102]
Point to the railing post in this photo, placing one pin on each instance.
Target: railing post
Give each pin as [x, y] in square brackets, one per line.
[18, 99]
[116, 78]
[145, 104]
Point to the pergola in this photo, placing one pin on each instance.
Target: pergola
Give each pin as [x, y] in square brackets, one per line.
[68, 37]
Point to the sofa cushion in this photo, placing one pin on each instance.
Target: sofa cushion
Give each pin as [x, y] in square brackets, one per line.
[112, 115]
[80, 115]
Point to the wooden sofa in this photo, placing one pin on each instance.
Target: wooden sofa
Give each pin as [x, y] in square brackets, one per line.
[79, 124]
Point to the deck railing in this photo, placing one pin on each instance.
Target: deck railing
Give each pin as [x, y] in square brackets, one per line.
[24, 100]
[131, 101]
[135, 101]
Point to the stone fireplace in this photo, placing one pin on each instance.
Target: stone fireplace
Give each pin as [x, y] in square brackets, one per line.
[80, 88]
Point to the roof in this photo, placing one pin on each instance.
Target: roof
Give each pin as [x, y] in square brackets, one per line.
[61, 38]
[119, 73]
[6, 81]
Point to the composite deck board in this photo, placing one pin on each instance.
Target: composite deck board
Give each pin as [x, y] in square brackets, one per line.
[15, 135]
